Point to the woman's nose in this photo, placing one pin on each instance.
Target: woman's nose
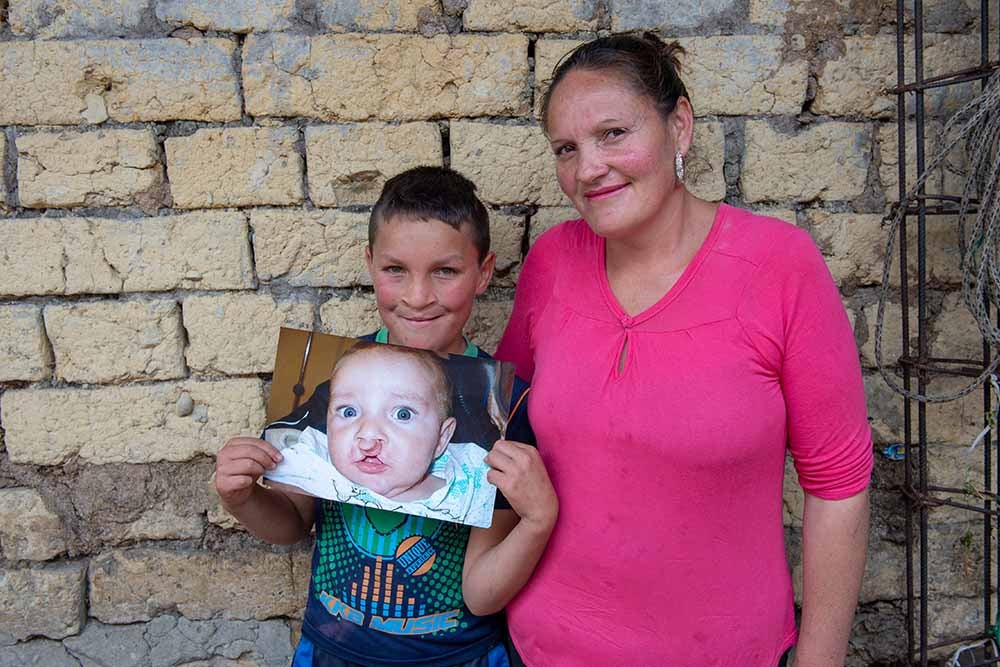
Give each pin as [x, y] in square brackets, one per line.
[590, 165]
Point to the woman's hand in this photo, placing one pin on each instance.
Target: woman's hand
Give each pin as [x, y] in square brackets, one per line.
[238, 466]
[517, 471]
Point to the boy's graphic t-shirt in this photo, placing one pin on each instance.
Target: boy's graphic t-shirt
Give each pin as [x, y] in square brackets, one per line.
[386, 588]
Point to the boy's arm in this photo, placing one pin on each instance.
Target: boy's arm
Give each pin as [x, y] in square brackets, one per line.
[499, 560]
[269, 514]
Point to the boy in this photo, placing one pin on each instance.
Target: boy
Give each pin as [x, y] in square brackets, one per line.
[390, 589]
[388, 440]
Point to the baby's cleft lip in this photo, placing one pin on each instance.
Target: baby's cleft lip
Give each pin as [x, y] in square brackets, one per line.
[371, 465]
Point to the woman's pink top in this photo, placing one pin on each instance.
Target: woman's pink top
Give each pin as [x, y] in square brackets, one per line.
[669, 548]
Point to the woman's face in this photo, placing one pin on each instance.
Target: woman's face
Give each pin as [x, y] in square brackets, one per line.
[614, 152]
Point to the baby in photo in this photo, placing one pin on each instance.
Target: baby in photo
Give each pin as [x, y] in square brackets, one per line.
[388, 440]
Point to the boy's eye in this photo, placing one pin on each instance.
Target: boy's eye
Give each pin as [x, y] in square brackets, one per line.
[347, 411]
[392, 269]
[447, 271]
[402, 414]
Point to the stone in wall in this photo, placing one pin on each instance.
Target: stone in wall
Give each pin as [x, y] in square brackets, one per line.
[532, 15]
[387, 77]
[703, 166]
[76, 82]
[955, 423]
[204, 250]
[3, 157]
[354, 316]
[37, 653]
[239, 16]
[547, 217]
[655, 15]
[139, 584]
[768, 12]
[237, 333]
[349, 164]
[487, 322]
[116, 341]
[377, 15]
[159, 525]
[510, 164]
[129, 424]
[53, 19]
[170, 640]
[955, 332]
[311, 248]
[857, 82]
[239, 166]
[892, 346]
[24, 350]
[61, 587]
[104, 168]
[506, 235]
[853, 245]
[548, 53]
[28, 529]
[783, 166]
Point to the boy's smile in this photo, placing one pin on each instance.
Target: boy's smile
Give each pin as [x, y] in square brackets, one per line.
[385, 424]
[426, 276]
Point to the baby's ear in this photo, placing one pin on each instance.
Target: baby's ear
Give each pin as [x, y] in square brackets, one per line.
[447, 430]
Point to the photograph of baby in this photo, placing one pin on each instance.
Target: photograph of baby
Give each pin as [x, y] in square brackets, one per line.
[393, 439]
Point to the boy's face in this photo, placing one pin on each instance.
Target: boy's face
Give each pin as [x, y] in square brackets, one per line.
[426, 276]
[384, 425]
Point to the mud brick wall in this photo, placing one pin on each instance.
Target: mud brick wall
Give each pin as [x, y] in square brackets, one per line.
[179, 178]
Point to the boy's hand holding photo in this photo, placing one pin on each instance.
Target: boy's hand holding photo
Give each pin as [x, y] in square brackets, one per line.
[516, 469]
[238, 466]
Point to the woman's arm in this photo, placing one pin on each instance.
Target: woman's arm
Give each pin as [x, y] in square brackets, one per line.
[834, 545]
[499, 560]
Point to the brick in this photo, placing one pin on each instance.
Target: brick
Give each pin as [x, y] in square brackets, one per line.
[53, 19]
[852, 243]
[531, 15]
[704, 164]
[938, 181]
[239, 16]
[239, 166]
[354, 316]
[786, 214]
[50, 426]
[25, 354]
[547, 217]
[510, 164]
[955, 333]
[28, 529]
[955, 423]
[69, 83]
[377, 15]
[349, 164]
[138, 584]
[61, 589]
[892, 346]
[650, 14]
[165, 525]
[487, 322]
[506, 235]
[205, 250]
[104, 168]
[311, 248]
[386, 77]
[104, 342]
[827, 161]
[237, 334]
[856, 83]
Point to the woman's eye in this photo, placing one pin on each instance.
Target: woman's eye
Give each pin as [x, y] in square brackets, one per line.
[402, 414]
[614, 132]
[563, 151]
[347, 412]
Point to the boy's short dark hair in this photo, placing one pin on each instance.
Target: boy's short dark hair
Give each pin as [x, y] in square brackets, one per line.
[437, 193]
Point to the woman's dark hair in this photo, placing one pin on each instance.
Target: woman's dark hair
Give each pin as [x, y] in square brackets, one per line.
[437, 193]
[646, 63]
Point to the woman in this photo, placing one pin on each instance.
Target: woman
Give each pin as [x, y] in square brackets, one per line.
[675, 348]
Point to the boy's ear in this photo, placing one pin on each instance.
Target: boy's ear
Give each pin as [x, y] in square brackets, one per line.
[368, 261]
[486, 272]
[447, 430]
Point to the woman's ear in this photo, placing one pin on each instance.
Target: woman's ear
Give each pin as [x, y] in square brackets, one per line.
[681, 124]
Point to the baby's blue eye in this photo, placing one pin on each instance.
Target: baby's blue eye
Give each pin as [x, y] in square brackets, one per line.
[347, 412]
[402, 414]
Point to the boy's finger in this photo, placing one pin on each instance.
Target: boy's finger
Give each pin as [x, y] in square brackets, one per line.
[241, 444]
[499, 459]
[247, 454]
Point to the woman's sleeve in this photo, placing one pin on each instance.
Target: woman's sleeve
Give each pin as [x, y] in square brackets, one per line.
[804, 328]
[534, 287]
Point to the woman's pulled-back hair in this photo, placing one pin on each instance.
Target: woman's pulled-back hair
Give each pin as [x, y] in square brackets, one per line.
[645, 62]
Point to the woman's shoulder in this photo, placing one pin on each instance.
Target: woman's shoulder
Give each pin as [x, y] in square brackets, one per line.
[564, 237]
[757, 237]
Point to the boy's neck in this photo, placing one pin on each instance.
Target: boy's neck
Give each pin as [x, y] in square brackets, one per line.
[383, 336]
